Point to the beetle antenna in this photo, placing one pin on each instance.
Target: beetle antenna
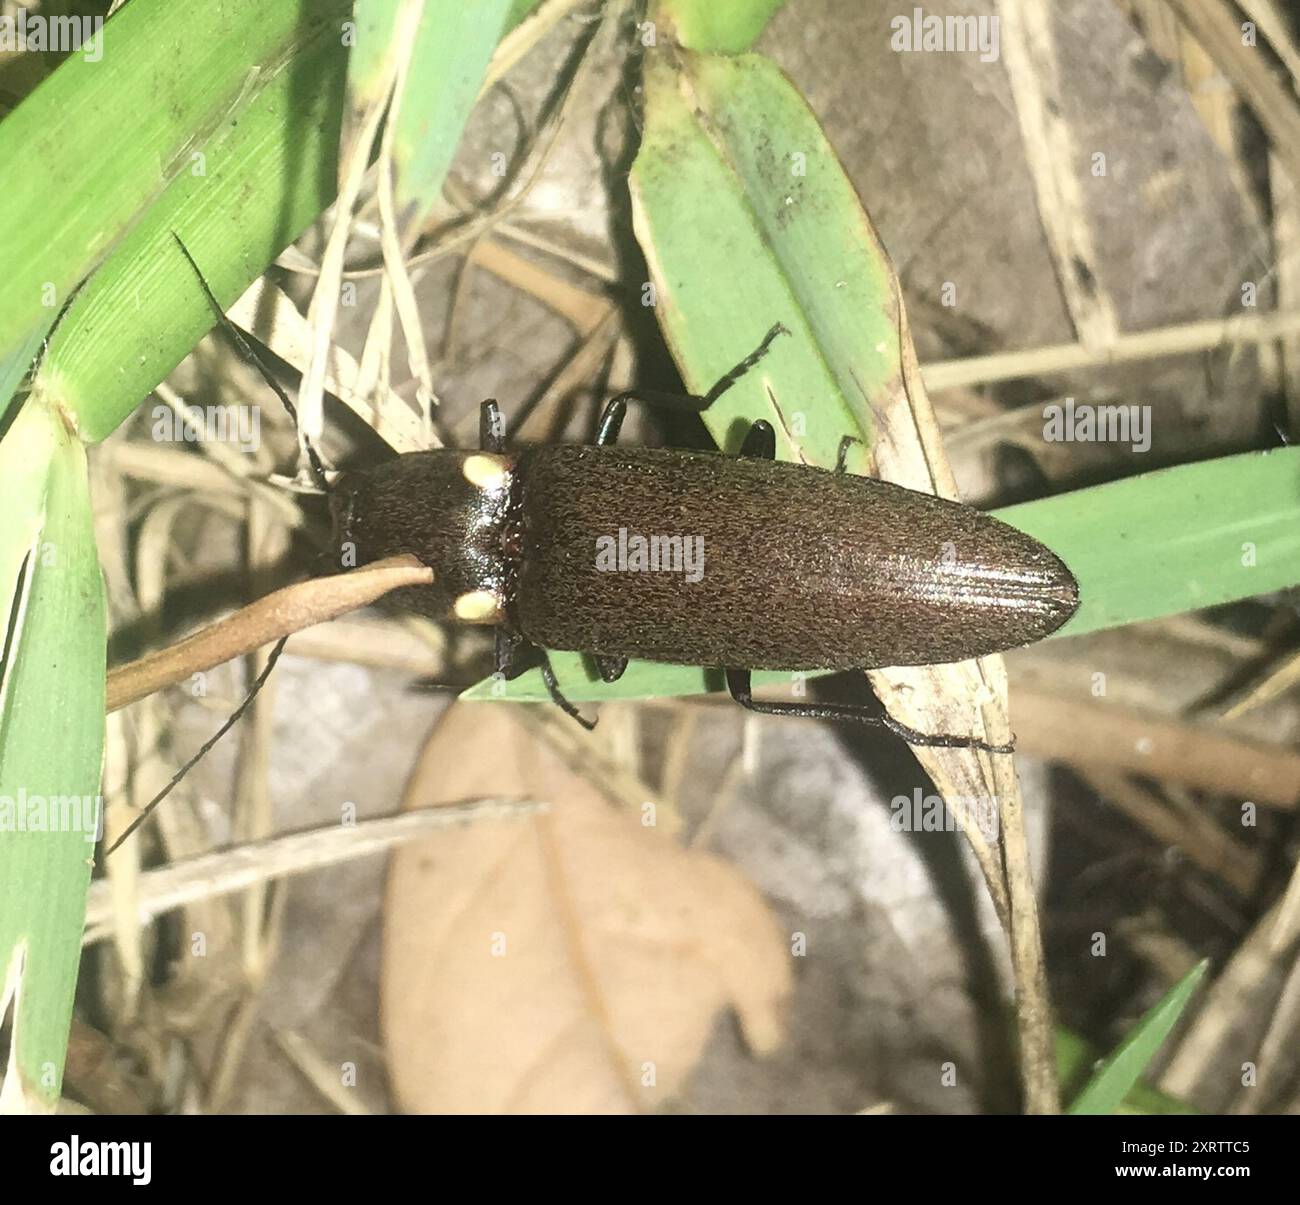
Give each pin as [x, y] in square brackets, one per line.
[251, 356]
[207, 745]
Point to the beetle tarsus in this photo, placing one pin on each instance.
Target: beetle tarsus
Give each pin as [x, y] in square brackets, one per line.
[931, 741]
[553, 689]
[611, 420]
[727, 381]
[515, 654]
[739, 687]
[842, 452]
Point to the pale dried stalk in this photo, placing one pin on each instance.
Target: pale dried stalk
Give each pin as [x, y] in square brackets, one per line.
[325, 298]
[210, 875]
[1035, 76]
[1187, 338]
[1215, 25]
[395, 270]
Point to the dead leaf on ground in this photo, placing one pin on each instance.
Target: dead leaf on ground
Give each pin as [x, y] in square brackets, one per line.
[571, 962]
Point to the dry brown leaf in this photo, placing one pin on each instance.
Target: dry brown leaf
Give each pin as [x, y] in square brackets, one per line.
[571, 962]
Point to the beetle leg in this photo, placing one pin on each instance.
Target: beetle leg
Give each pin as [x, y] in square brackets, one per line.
[760, 442]
[611, 419]
[842, 454]
[726, 382]
[491, 427]
[610, 668]
[516, 654]
[738, 686]
[616, 409]
[512, 654]
[553, 689]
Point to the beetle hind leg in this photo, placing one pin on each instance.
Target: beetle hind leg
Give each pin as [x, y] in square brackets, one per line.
[553, 689]
[739, 687]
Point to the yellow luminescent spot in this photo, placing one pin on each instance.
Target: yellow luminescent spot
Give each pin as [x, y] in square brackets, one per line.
[486, 472]
[477, 606]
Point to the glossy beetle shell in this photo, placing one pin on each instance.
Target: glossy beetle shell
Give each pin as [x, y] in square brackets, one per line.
[802, 568]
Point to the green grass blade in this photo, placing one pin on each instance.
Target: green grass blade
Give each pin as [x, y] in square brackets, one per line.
[25, 454]
[717, 26]
[51, 751]
[265, 173]
[369, 52]
[519, 9]
[735, 183]
[14, 366]
[1113, 1081]
[1176, 539]
[1075, 1059]
[269, 170]
[452, 50]
[177, 70]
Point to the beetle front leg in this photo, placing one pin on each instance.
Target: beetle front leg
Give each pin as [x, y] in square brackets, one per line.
[739, 687]
[515, 654]
[611, 421]
[491, 427]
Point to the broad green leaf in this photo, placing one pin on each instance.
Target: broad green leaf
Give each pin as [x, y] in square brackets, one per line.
[1114, 1079]
[51, 751]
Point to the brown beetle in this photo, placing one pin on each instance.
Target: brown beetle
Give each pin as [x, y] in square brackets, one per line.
[795, 568]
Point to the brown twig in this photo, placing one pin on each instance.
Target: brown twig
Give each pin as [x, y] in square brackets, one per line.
[279, 614]
[1099, 734]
